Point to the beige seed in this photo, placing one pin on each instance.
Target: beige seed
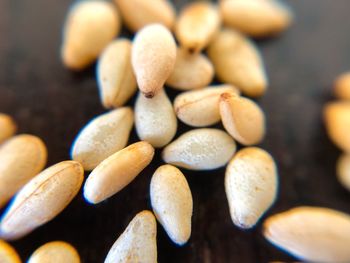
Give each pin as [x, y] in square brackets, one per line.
[55, 252]
[343, 170]
[102, 137]
[242, 118]
[311, 233]
[8, 254]
[8, 127]
[191, 71]
[200, 108]
[255, 17]
[155, 119]
[153, 58]
[89, 27]
[21, 158]
[115, 76]
[42, 199]
[337, 120]
[138, 242]
[237, 61]
[138, 13]
[342, 86]
[197, 24]
[172, 203]
[200, 149]
[251, 185]
[117, 171]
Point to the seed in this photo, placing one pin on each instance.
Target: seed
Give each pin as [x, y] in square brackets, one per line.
[41, 199]
[343, 170]
[8, 127]
[237, 61]
[117, 171]
[242, 118]
[337, 120]
[153, 58]
[342, 86]
[200, 108]
[197, 24]
[138, 13]
[311, 233]
[8, 254]
[115, 75]
[103, 136]
[21, 158]
[256, 18]
[172, 203]
[191, 71]
[55, 251]
[89, 27]
[155, 119]
[138, 242]
[251, 185]
[200, 149]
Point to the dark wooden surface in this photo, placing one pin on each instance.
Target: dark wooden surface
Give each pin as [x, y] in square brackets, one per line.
[54, 103]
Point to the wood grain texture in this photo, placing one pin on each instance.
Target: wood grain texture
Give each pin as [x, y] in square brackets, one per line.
[49, 101]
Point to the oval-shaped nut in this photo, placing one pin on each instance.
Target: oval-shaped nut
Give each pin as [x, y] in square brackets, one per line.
[172, 203]
[8, 127]
[21, 158]
[155, 119]
[115, 76]
[8, 254]
[191, 71]
[251, 185]
[117, 171]
[89, 27]
[337, 120]
[311, 233]
[342, 86]
[343, 170]
[242, 118]
[255, 17]
[197, 24]
[200, 108]
[153, 58]
[41, 199]
[55, 251]
[237, 61]
[138, 242]
[102, 137]
[200, 149]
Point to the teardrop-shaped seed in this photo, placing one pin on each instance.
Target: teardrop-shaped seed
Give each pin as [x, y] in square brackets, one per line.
[172, 203]
[251, 185]
[237, 61]
[89, 27]
[8, 254]
[103, 136]
[312, 234]
[153, 58]
[200, 149]
[197, 24]
[191, 71]
[343, 170]
[8, 127]
[155, 119]
[42, 199]
[115, 76]
[117, 171]
[138, 242]
[21, 158]
[342, 86]
[200, 108]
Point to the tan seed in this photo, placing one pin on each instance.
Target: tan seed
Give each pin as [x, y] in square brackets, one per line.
[21, 158]
[343, 170]
[8, 254]
[42, 199]
[117, 171]
[153, 58]
[342, 86]
[311, 233]
[8, 127]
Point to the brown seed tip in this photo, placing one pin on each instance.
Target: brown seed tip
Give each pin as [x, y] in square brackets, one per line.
[149, 95]
[226, 96]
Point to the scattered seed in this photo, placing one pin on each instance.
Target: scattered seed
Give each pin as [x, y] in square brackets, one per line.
[342, 86]
[8, 254]
[8, 127]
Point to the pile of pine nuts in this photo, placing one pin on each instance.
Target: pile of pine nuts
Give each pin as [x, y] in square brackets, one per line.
[150, 62]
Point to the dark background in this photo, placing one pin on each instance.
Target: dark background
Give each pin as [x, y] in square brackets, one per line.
[50, 101]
